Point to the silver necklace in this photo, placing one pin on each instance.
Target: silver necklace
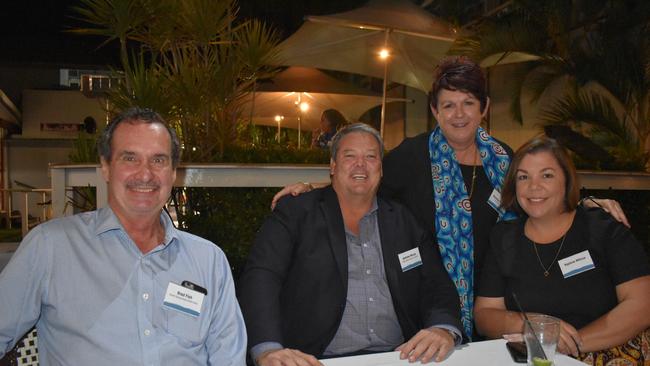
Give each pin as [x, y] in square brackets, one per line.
[546, 269]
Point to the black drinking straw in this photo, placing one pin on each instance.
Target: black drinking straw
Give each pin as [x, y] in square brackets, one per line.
[537, 344]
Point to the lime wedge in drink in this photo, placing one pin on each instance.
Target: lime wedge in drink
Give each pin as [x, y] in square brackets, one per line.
[541, 362]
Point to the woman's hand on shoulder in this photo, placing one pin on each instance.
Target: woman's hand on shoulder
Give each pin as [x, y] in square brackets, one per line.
[295, 189]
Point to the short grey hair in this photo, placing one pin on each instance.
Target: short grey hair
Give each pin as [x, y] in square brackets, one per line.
[355, 127]
[134, 115]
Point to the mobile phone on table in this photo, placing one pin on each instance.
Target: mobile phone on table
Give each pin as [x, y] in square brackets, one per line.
[517, 351]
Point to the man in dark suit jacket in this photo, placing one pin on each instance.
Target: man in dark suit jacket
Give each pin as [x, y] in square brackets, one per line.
[339, 271]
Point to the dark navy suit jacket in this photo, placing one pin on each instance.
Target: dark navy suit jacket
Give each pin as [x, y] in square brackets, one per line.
[294, 287]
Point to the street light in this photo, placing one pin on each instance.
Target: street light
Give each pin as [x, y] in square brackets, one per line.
[278, 119]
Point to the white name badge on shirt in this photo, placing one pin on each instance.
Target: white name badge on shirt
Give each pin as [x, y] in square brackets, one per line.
[183, 299]
[495, 200]
[576, 264]
[410, 259]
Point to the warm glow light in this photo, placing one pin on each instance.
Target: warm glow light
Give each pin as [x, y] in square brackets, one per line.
[304, 106]
[383, 54]
[279, 118]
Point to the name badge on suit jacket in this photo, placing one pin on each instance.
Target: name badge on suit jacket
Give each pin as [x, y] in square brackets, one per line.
[410, 259]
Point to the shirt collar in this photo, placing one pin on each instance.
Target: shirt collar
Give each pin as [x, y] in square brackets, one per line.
[107, 221]
[373, 207]
[372, 211]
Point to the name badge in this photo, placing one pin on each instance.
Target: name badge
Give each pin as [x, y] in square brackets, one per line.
[410, 259]
[183, 299]
[576, 264]
[495, 200]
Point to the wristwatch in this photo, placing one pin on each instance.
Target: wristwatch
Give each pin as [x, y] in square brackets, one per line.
[453, 335]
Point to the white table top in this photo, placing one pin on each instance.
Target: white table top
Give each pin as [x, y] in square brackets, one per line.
[487, 353]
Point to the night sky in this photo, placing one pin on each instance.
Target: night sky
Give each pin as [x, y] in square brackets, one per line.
[32, 31]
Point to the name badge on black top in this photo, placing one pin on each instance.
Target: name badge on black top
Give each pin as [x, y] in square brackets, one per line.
[576, 264]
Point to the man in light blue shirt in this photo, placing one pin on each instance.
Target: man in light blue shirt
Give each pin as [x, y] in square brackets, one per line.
[120, 285]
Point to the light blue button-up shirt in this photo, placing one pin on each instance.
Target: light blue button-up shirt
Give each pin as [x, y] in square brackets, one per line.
[97, 300]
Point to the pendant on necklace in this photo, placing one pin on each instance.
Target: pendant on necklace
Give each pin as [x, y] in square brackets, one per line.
[546, 273]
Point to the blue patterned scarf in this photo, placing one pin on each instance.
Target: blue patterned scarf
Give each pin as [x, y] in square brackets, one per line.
[454, 212]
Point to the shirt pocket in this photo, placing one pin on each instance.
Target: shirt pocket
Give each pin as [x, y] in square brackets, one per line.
[188, 330]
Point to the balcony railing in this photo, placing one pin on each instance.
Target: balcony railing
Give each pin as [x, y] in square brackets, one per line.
[270, 175]
[187, 175]
[24, 216]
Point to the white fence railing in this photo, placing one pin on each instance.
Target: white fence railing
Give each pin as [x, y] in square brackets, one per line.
[270, 175]
[45, 213]
[190, 175]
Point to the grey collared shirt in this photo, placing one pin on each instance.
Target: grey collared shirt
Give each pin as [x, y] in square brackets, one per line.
[369, 321]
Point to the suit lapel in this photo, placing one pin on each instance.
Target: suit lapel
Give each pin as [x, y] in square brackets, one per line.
[427, 206]
[390, 248]
[336, 229]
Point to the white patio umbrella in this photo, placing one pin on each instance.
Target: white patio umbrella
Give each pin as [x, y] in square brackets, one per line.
[505, 58]
[351, 41]
[277, 103]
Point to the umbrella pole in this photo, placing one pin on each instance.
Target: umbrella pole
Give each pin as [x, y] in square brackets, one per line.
[383, 101]
[299, 117]
[384, 87]
[250, 116]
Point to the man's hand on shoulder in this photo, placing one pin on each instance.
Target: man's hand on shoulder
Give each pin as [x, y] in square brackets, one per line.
[426, 344]
[287, 357]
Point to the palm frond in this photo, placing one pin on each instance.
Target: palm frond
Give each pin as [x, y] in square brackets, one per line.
[542, 75]
[257, 46]
[518, 77]
[147, 88]
[110, 18]
[591, 109]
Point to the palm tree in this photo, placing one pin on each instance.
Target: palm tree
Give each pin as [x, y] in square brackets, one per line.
[114, 19]
[598, 52]
[191, 60]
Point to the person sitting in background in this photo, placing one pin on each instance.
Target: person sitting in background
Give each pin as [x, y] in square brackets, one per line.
[331, 121]
[561, 259]
[338, 271]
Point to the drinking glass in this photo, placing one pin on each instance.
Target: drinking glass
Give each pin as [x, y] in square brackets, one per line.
[546, 329]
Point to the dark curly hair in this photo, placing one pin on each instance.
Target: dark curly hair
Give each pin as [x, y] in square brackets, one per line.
[459, 73]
